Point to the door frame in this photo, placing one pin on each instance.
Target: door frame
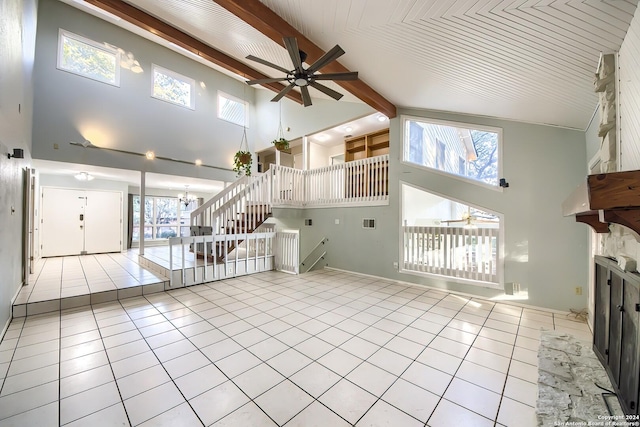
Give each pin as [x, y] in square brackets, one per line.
[120, 211]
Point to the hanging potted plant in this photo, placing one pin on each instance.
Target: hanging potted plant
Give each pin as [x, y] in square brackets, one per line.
[242, 160]
[242, 163]
[280, 142]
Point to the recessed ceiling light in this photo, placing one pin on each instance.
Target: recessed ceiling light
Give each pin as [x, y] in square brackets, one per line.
[348, 129]
[150, 155]
[322, 137]
[382, 118]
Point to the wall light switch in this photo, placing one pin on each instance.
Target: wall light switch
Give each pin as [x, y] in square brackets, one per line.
[337, 221]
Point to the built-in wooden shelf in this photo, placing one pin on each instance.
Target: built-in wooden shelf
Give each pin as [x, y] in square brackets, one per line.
[607, 198]
[369, 145]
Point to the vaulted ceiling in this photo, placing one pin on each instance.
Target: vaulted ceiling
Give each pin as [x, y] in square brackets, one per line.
[527, 60]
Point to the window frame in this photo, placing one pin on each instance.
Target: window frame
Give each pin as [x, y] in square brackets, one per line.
[62, 33]
[177, 76]
[405, 147]
[236, 99]
[154, 225]
[500, 255]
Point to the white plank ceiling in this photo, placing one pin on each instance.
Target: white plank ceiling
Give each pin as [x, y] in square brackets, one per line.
[527, 60]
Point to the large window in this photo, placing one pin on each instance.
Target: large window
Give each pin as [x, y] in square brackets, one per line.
[461, 150]
[232, 109]
[164, 217]
[444, 237]
[88, 58]
[173, 87]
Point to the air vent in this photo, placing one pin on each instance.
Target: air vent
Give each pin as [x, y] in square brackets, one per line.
[308, 222]
[368, 223]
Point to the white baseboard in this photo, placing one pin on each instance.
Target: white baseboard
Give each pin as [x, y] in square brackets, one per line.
[507, 302]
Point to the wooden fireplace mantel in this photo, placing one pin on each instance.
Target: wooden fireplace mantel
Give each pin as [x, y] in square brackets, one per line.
[607, 198]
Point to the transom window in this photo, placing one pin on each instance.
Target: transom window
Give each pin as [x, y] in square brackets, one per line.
[88, 58]
[173, 87]
[232, 109]
[163, 218]
[466, 151]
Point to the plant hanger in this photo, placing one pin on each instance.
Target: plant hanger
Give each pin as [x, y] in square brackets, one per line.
[243, 159]
[280, 142]
[280, 134]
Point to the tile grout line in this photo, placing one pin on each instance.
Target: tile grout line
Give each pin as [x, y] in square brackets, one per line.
[112, 373]
[264, 361]
[458, 368]
[504, 386]
[199, 350]
[292, 287]
[362, 360]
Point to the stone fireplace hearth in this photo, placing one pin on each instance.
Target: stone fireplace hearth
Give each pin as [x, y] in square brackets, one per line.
[567, 376]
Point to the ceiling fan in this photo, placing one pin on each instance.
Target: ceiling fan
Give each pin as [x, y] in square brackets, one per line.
[301, 77]
[471, 220]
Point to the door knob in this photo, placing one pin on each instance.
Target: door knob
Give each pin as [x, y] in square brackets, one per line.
[620, 308]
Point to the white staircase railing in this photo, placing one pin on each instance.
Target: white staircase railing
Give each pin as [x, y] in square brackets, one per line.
[364, 181]
[245, 209]
[202, 215]
[256, 256]
[468, 253]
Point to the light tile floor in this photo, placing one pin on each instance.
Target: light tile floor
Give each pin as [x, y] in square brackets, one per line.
[73, 276]
[327, 348]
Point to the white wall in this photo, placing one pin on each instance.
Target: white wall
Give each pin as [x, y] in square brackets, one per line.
[544, 251]
[629, 93]
[620, 242]
[17, 44]
[301, 121]
[73, 108]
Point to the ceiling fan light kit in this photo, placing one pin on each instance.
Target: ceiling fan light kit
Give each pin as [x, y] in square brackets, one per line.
[303, 78]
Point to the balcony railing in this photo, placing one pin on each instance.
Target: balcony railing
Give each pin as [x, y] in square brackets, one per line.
[364, 182]
[466, 253]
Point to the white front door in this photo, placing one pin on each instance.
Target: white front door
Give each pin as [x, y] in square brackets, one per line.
[76, 222]
[62, 225]
[103, 222]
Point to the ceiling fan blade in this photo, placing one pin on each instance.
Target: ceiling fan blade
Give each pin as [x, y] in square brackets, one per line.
[282, 93]
[267, 63]
[306, 98]
[327, 91]
[261, 81]
[333, 54]
[294, 52]
[352, 75]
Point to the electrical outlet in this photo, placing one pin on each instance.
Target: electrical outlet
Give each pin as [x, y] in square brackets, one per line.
[578, 290]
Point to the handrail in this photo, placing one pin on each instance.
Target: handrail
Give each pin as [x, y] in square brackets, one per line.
[224, 218]
[219, 196]
[363, 181]
[306, 265]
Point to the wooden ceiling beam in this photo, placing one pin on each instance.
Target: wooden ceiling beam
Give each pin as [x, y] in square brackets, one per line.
[259, 16]
[171, 34]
